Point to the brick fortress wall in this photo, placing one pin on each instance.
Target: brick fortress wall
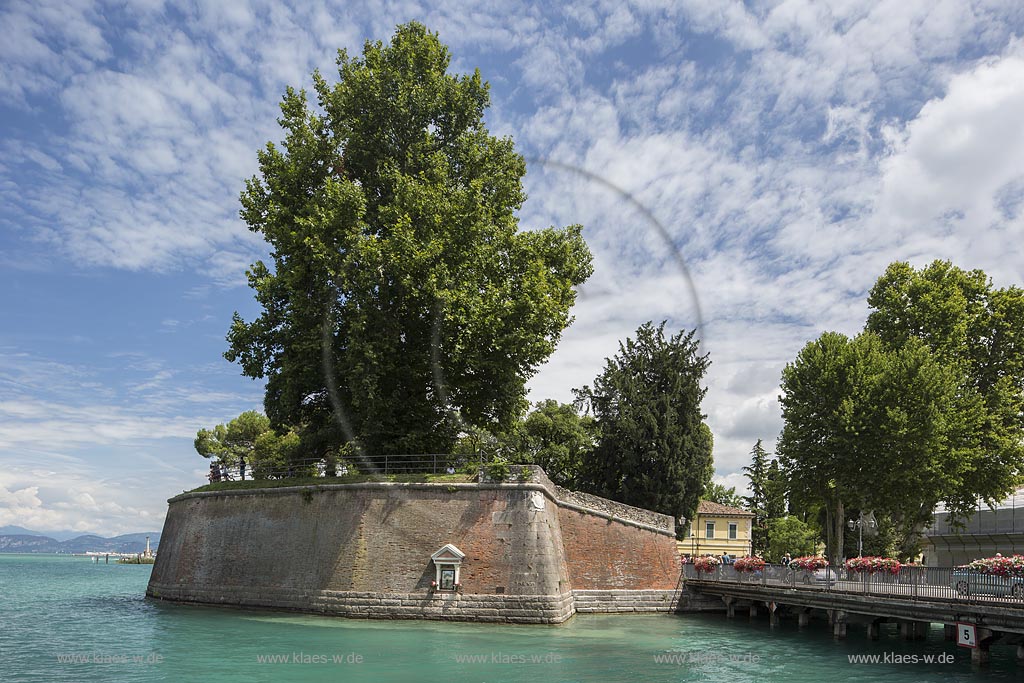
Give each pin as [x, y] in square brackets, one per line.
[363, 550]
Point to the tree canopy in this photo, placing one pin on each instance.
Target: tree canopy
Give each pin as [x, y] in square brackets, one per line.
[402, 293]
[790, 535]
[869, 428]
[653, 448]
[977, 331]
[923, 407]
[718, 493]
[234, 444]
[556, 437]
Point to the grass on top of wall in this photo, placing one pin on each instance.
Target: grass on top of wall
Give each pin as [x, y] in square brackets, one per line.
[346, 479]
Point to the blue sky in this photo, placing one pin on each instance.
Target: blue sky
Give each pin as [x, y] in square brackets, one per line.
[790, 150]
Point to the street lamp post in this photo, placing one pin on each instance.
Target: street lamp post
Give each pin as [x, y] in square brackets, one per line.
[858, 524]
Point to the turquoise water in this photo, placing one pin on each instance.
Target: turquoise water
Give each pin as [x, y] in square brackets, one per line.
[56, 608]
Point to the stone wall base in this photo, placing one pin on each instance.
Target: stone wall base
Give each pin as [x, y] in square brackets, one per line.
[610, 601]
[514, 609]
[689, 601]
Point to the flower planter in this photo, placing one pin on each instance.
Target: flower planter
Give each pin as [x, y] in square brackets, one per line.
[866, 566]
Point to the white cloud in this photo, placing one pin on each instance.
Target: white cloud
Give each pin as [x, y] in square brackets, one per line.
[954, 159]
[791, 149]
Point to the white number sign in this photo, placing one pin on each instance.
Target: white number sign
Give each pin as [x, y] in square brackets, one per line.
[966, 635]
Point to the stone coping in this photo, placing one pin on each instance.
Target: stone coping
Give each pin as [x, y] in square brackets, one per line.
[450, 486]
[616, 509]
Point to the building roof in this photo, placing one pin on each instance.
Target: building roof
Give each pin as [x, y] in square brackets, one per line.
[448, 552]
[706, 507]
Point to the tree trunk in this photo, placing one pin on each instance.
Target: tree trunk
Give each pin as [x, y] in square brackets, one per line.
[840, 526]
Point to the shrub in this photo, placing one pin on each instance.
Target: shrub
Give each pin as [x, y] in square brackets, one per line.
[498, 469]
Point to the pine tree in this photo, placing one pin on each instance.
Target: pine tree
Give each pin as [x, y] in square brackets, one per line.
[759, 473]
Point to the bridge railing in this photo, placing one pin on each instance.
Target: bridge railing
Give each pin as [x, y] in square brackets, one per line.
[915, 583]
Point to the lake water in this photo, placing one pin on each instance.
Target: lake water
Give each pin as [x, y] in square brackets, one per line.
[68, 619]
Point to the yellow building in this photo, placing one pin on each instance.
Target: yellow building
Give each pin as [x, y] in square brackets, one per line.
[718, 529]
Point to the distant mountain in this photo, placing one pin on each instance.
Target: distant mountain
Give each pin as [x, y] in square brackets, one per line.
[25, 543]
[18, 531]
[154, 538]
[30, 543]
[64, 535]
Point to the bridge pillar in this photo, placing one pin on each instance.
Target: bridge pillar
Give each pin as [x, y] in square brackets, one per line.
[773, 615]
[913, 630]
[949, 631]
[1020, 654]
[980, 654]
[730, 606]
[838, 623]
[803, 618]
[873, 630]
[753, 610]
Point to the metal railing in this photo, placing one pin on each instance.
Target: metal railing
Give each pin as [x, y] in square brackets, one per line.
[915, 583]
[428, 463]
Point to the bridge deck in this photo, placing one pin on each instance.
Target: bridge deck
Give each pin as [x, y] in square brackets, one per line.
[922, 594]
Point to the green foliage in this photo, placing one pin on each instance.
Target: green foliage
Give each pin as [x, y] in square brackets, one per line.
[401, 288]
[234, 444]
[977, 332]
[767, 499]
[790, 535]
[883, 540]
[653, 449]
[717, 493]
[869, 427]
[477, 444]
[498, 469]
[555, 437]
[924, 407]
[274, 456]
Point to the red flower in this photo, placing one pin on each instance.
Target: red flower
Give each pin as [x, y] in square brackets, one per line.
[748, 564]
[706, 564]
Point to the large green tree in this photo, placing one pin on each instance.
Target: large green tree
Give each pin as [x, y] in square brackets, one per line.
[977, 331]
[556, 437]
[790, 535]
[654, 450]
[872, 428]
[403, 305]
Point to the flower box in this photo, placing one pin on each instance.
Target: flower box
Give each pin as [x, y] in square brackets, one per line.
[749, 564]
[999, 566]
[706, 564]
[808, 564]
[873, 565]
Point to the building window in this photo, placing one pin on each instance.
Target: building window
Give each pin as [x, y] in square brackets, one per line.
[709, 530]
[732, 530]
